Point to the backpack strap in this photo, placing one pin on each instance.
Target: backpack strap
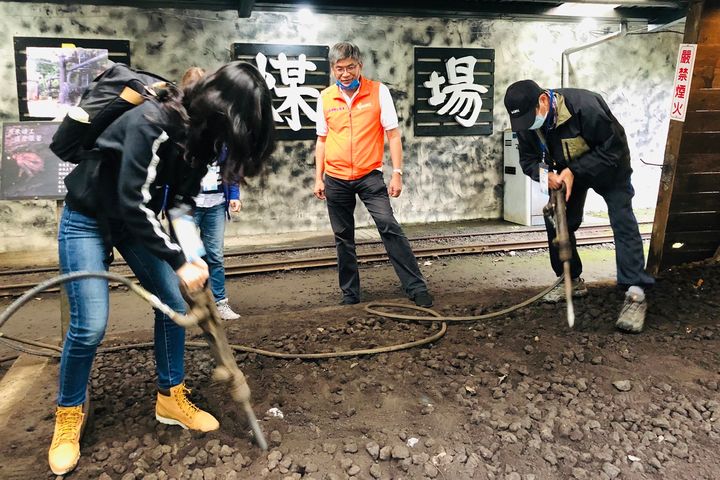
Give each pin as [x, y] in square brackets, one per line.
[131, 96]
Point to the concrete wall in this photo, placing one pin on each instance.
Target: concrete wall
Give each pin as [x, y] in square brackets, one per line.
[448, 178]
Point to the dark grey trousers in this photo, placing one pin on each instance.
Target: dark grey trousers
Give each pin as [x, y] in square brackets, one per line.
[629, 255]
[371, 189]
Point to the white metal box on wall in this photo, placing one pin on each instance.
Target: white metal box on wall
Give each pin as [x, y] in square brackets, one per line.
[523, 200]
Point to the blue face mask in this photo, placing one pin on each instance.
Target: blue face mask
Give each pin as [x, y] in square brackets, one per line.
[539, 120]
[353, 85]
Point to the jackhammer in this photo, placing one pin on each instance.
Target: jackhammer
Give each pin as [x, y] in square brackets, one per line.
[556, 212]
[203, 313]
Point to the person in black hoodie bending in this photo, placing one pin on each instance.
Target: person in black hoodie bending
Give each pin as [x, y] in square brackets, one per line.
[149, 159]
[569, 137]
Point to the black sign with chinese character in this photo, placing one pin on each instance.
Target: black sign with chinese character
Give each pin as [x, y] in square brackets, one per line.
[296, 74]
[454, 90]
[28, 168]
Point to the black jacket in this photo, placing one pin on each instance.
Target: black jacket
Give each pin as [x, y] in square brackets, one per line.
[588, 139]
[134, 170]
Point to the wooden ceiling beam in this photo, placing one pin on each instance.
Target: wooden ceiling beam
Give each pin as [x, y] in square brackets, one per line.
[654, 11]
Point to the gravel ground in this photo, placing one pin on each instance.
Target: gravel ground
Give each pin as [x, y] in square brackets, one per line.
[516, 398]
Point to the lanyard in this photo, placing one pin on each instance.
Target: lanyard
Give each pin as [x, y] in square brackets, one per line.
[542, 139]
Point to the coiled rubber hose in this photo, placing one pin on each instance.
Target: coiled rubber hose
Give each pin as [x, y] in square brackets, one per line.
[372, 308]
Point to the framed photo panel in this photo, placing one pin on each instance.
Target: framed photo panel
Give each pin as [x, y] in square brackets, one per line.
[52, 73]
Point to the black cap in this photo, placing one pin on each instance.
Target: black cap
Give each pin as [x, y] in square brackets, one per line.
[521, 99]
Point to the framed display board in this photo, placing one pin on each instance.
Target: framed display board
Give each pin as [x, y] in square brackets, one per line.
[52, 73]
[28, 169]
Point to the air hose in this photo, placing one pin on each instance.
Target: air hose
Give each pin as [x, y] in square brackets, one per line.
[372, 308]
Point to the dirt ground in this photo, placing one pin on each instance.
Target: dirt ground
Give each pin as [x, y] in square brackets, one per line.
[516, 398]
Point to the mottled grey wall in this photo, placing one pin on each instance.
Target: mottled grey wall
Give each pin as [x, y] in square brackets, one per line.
[447, 178]
[635, 75]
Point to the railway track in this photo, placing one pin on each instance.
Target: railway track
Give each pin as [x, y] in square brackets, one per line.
[15, 282]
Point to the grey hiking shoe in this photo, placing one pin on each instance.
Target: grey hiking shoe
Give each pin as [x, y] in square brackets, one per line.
[225, 311]
[557, 294]
[632, 314]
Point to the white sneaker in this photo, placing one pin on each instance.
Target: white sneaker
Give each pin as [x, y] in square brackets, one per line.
[225, 311]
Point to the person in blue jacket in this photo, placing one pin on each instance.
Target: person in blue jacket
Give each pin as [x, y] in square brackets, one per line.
[212, 208]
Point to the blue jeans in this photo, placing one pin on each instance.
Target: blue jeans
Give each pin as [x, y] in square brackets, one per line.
[211, 222]
[371, 189]
[629, 255]
[81, 247]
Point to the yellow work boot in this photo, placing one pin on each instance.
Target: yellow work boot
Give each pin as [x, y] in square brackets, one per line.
[65, 448]
[177, 409]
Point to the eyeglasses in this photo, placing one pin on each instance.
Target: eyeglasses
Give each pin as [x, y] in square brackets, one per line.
[349, 68]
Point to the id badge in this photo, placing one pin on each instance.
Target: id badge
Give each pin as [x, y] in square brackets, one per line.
[543, 171]
[211, 180]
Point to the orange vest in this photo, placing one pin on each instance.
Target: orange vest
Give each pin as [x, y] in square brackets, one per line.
[356, 138]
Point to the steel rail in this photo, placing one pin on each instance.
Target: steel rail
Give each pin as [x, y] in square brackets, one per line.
[366, 257]
[272, 250]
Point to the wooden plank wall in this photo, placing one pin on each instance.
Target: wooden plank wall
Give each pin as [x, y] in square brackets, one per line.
[687, 218]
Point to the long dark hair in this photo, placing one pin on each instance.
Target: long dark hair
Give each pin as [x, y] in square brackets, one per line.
[173, 117]
[231, 106]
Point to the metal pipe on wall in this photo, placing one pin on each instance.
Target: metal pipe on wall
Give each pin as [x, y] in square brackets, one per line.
[566, 53]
